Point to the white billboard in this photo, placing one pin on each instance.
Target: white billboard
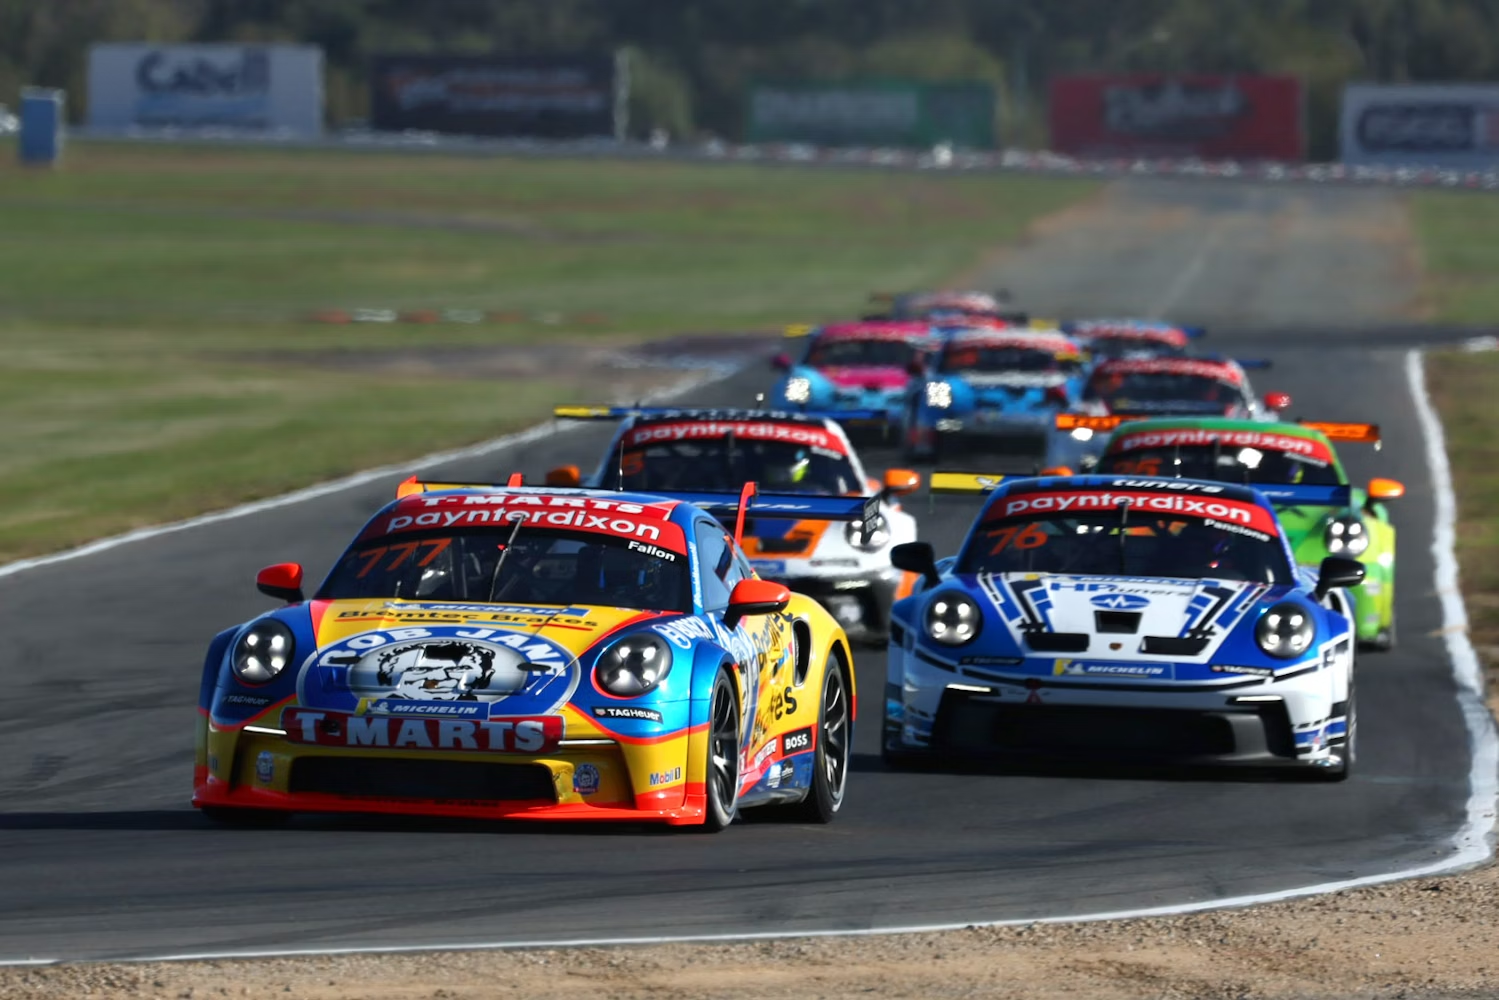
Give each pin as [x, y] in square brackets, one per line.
[258, 88]
[1440, 125]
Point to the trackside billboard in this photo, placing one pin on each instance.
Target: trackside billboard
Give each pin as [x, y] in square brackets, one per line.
[541, 97]
[872, 113]
[1207, 116]
[256, 88]
[1437, 125]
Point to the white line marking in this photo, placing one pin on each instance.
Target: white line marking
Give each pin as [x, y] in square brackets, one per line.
[1471, 843]
[1187, 276]
[526, 436]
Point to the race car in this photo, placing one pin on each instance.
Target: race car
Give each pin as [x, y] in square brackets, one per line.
[848, 570]
[505, 652]
[1131, 339]
[1268, 456]
[852, 367]
[1118, 618]
[952, 305]
[993, 388]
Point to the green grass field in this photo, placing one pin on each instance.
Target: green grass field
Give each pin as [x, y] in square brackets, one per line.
[158, 359]
[1458, 234]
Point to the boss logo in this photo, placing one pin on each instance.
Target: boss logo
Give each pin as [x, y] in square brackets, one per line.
[801, 739]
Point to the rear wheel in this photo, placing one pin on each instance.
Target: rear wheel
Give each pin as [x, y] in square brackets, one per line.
[722, 791]
[835, 732]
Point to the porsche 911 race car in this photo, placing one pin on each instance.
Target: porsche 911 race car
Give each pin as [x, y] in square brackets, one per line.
[996, 389]
[952, 306]
[848, 368]
[1131, 339]
[1268, 456]
[1107, 618]
[846, 569]
[535, 653]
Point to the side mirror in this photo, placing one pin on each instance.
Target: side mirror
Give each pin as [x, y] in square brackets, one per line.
[282, 581]
[565, 475]
[781, 362]
[1386, 489]
[916, 557]
[899, 482]
[1056, 470]
[1337, 571]
[1278, 401]
[755, 597]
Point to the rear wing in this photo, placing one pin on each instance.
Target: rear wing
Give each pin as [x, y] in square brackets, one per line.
[1305, 496]
[787, 506]
[708, 413]
[1360, 433]
[966, 482]
[799, 330]
[1333, 431]
[1089, 422]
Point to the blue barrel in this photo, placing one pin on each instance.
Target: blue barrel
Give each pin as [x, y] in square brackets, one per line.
[41, 126]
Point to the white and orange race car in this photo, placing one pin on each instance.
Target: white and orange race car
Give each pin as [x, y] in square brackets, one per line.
[844, 567]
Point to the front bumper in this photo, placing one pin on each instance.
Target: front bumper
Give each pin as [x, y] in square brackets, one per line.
[588, 779]
[959, 713]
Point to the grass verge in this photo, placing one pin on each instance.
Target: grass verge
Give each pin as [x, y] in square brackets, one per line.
[154, 302]
[1460, 255]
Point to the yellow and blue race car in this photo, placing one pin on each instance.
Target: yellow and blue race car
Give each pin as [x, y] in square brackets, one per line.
[535, 653]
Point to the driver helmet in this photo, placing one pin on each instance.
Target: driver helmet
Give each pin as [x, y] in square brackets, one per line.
[792, 473]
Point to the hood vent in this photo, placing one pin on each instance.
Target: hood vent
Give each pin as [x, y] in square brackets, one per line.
[1058, 642]
[1117, 622]
[1170, 645]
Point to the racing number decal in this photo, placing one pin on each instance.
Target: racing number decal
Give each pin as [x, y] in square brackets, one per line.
[1028, 537]
[402, 551]
[1139, 467]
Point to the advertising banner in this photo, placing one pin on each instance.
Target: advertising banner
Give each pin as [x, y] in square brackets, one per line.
[1437, 125]
[541, 97]
[259, 88]
[1205, 116]
[873, 113]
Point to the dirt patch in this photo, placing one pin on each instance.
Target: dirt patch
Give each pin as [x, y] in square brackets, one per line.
[1425, 938]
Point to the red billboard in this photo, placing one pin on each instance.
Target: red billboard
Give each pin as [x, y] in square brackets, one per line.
[1151, 114]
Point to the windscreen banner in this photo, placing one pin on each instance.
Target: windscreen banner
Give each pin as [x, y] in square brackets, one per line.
[1437, 125]
[1210, 117]
[251, 88]
[539, 97]
[873, 113]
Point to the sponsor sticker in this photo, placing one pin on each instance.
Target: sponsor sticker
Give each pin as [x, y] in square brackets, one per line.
[515, 734]
[1219, 668]
[796, 741]
[1156, 501]
[265, 767]
[762, 430]
[585, 779]
[668, 777]
[768, 567]
[626, 712]
[1076, 668]
[1193, 438]
[1120, 602]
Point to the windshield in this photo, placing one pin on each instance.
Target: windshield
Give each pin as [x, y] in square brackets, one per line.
[1162, 390]
[1110, 348]
[1226, 463]
[1003, 359]
[725, 464]
[865, 353]
[544, 566]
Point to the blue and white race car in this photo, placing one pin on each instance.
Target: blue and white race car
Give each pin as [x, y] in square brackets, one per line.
[995, 388]
[1105, 618]
[852, 367]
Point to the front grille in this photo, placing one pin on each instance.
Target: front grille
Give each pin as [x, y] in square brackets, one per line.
[972, 725]
[1057, 642]
[1170, 645]
[468, 781]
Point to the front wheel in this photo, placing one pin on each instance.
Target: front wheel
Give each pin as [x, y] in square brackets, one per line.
[835, 739]
[722, 791]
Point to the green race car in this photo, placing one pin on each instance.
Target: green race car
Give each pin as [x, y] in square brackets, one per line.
[1268, 454]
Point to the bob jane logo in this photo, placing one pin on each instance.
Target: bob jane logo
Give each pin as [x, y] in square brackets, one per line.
[441, 670]
[1062, 503]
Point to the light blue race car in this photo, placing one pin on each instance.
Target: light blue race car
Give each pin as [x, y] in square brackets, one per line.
[1110, 618]
[852, 366]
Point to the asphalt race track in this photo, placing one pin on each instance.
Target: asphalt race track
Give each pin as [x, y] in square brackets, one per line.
[101, 857]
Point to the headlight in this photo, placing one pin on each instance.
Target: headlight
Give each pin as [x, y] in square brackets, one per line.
[1082, 434]
[798, 390]
[952, 619]
[1286, 631]
[634, 665]
[878, 538]
[263, 651]
[938, 395]
[1346, 536]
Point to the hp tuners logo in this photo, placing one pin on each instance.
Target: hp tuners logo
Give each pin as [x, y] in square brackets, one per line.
[1120, 602]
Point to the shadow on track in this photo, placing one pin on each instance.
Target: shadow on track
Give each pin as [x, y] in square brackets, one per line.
[1043, 767]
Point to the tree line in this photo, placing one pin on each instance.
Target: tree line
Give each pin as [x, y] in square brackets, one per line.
[693, 59]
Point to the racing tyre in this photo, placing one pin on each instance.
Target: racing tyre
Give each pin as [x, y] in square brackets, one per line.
[835, 732]
[245, 818]
[1384, 639]
[1348, 749]
[722, 787]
